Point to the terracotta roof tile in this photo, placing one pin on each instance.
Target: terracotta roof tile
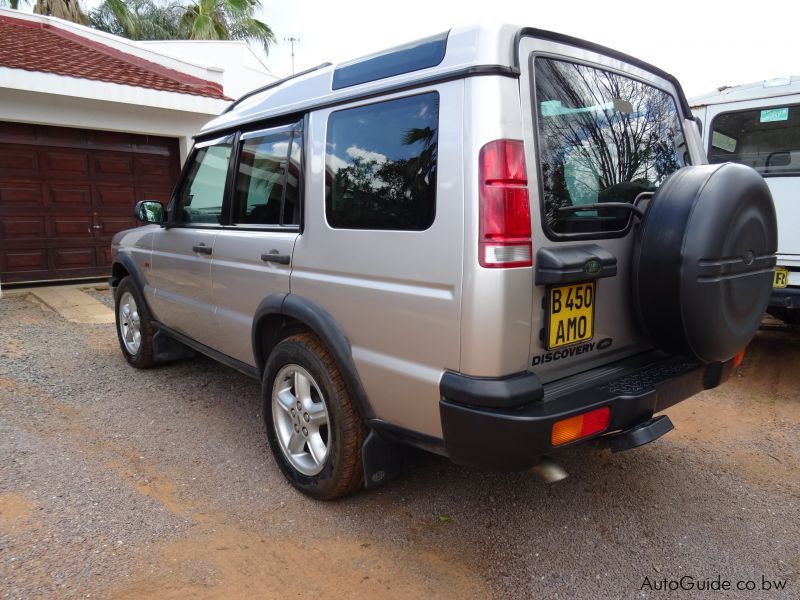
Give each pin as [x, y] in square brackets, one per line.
[40, 47]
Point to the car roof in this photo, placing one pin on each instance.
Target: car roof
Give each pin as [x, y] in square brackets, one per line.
[459, 52]
[767, 88]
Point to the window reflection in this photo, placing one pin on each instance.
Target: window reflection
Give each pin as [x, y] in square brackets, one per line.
[603, 137]
[381, 165]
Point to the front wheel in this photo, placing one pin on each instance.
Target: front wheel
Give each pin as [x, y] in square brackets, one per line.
[134, 327]
[312, 425]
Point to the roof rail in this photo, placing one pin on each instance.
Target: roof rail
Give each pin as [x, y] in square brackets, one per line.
[274, 84]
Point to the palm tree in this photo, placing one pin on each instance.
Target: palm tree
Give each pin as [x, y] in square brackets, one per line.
[139, 19]
[68, 10]
[172, 19]
[225, 20]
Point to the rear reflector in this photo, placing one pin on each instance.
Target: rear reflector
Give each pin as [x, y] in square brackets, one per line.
[739, 359]
[580, 426]
[504, 229]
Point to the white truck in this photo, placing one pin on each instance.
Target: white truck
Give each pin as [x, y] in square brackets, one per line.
[758, 124]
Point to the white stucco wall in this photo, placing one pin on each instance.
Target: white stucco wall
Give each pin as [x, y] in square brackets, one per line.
[43, 109]
[242, 69]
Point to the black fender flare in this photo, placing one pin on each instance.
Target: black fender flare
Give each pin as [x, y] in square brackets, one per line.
[126, 260]
[324, 326]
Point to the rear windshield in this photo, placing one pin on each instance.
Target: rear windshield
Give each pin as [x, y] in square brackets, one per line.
[603, 137]
[767, 139]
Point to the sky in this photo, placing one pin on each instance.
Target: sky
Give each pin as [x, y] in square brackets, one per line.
[705, 43]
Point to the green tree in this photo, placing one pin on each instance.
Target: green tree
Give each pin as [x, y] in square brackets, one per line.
[139, 19]
[173, 19]
[225, 20]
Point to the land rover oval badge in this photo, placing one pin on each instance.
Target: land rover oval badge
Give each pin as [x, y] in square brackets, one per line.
[592, 267]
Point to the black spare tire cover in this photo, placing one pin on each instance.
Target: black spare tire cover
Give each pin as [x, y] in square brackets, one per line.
[703, 261]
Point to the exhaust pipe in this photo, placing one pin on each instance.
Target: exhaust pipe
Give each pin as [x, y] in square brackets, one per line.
[549, 471]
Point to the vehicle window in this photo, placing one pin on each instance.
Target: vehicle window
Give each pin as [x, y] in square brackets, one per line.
[381, 165]
[200, 200]
[260, 184]
[767, 139]
[291, 208]
[603, 137]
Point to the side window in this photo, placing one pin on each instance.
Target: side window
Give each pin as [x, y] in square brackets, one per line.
[267, 184]
[291, 205]
[380, 165]
[200, 199]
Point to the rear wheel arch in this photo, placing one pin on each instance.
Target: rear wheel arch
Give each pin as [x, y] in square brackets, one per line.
[280, 316]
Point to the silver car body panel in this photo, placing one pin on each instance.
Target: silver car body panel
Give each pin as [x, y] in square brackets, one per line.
[183, 296]
[395, 294]
[241, 280]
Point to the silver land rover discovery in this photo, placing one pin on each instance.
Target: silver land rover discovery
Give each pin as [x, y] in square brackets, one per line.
[492, 243]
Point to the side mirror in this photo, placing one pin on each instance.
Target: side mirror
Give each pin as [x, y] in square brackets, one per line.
[149, 211]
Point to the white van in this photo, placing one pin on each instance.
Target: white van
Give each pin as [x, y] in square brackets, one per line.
[758, 125]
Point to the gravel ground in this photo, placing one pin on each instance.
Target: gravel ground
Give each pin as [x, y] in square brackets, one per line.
[128, 484]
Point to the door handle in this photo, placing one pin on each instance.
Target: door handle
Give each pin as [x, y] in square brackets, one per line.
[273, 256]
[202, 249]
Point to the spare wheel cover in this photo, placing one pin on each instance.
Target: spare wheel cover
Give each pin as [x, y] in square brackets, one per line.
[703, 261]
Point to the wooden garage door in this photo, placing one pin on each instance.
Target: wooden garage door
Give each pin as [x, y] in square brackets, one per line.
[65, 192]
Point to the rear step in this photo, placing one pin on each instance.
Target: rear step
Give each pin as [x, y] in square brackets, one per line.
[640, 434]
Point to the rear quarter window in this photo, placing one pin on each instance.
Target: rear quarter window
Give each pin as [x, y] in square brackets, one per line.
[380, 165]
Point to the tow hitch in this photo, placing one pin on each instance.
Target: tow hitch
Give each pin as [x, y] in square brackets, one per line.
[640, 434]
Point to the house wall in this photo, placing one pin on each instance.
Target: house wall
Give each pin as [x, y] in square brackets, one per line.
[32, 107]
[242, 70]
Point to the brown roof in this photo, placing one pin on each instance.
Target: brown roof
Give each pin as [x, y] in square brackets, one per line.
[36, 46]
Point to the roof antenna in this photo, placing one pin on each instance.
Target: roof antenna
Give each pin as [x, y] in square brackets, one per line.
[292, 41]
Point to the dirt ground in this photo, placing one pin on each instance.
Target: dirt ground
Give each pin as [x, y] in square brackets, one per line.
[116, 483]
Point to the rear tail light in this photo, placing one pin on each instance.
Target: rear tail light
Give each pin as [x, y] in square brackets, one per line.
[739, 359]
[580, 426]
[504, 231]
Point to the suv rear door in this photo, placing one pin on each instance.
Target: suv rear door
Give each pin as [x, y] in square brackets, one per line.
[252, 256]
[596, 130]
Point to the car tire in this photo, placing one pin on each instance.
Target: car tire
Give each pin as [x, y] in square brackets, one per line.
[134, 325]
[313, 427]
[704, 259]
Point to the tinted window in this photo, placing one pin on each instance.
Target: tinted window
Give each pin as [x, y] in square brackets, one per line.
[766, 139]
[201, 196]
[603, 137]
[381, 165]
[291, 203]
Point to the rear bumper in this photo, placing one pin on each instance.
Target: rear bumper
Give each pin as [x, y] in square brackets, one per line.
[788, 297]
[515, 437]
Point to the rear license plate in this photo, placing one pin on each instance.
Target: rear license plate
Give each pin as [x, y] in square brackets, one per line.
[781, 279]
[570, 314]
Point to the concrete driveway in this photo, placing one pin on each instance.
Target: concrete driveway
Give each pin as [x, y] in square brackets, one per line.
[128, 484]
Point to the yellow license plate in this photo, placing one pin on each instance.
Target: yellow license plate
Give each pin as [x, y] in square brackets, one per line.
[570, 314]
[781, 279]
